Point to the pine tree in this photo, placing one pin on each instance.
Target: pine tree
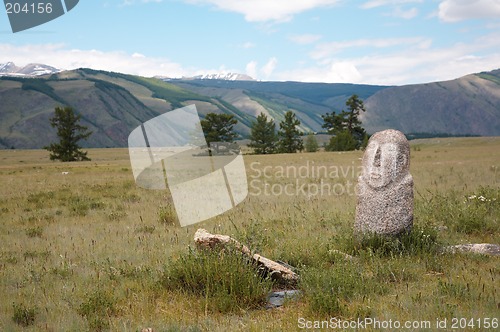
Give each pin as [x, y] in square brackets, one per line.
[343, 141]
[346, 124]
[263, 135]
[353, 124]
[333, 123]
[311, 143]
[69, 132]
[290, 140]
[218, 128]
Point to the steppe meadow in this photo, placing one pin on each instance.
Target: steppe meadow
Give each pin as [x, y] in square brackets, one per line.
[83, 248]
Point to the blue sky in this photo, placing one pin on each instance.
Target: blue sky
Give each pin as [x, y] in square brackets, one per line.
[366, 41]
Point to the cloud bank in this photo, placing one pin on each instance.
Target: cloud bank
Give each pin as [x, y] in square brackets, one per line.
[266, 10]
[58, 56]
[459, 10]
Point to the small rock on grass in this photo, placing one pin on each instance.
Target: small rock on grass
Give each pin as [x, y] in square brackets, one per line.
[476, 248]
[277, 299]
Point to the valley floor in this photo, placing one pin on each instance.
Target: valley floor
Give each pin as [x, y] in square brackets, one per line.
[83, 248]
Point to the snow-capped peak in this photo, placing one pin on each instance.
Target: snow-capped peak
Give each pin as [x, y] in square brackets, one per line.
[30, 70]
[225, 76]
[7, 67]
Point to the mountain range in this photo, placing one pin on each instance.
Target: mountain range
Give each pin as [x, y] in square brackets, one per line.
[113, 104]
[38, 69]
[221, 76]
[30, 70]
[469, 105]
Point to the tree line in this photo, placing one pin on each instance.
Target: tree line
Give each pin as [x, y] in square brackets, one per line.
[264, 137]
[345, 128]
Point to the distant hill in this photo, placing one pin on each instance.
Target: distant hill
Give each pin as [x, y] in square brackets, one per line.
[113, 104]
[469, 105]
[308, 100]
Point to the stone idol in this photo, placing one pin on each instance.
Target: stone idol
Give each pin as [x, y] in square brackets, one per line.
[385, 188]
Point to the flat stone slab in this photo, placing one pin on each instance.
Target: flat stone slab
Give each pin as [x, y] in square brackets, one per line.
[204, 239]
[476, 248]
[277, 299]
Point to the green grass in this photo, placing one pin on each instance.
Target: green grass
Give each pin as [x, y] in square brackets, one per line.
[91, 251]
[23, 315]
[342, 290]
[167, 215]
[419, 241]
[227, 280]
[472, 213]
[97, 309]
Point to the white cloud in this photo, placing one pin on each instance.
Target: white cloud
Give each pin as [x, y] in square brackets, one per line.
[251, 69]
[265, 72]
[325, 50]
[406, 14]
[266, 10]
[133, 2]
[223, 70]
[418, 61]
[247, 45]
[379, 3]
[398, 10]
[427, 66]
[335, 72]
[58, 56]
[304, 39]
[269, 67]
[404, 66]
[458, 10]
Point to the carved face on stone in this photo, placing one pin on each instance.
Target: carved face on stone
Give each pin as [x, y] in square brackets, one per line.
[386, 159]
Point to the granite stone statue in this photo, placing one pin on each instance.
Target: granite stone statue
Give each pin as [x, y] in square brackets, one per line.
[385, 188]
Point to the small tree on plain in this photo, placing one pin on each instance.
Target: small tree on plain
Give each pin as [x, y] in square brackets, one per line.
[218, 128]
[347, 125]
[263, 136]
[343, 141]
[69, 132]
[311, 143]
[290, 140]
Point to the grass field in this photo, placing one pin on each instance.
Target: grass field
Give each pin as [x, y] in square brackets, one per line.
[83, 248]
